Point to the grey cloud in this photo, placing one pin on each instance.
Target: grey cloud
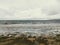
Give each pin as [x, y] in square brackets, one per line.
[4, 12]
[19, 9]
[51, 11]
[58, 0]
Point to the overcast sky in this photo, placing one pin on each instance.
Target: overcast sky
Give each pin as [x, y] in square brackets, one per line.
[29, 9]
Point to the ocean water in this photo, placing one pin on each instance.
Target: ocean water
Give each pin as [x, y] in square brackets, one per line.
[38, 28]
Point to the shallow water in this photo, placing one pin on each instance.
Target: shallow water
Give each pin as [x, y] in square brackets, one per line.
[29, 28]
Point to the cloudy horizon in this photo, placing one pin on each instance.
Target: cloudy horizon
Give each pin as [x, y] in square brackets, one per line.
[29, 9]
